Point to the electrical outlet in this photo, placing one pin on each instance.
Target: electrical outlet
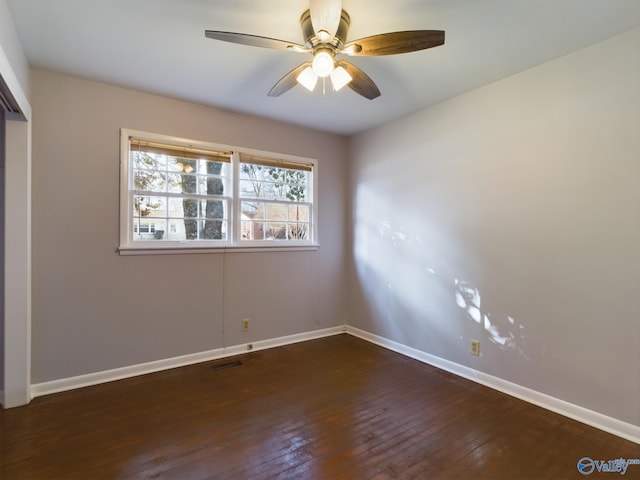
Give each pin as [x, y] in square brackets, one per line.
[475, 347]
[245, 325]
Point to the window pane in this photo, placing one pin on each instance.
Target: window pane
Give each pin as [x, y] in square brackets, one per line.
[210, 185]
[297, 193]
[183, 165]
[144, 206]
[273, 183]
[176, 230]
[283, 221]
[253, 172]
[149, 181]
[252, 230]
[276, 231]
[149, 161]
[174, 183]
[175, 207]
[213, 230]
[269, 190]
[159, 229]
[188, 183]
[279, 191]
[299, 231]
[149, 229]
[276, 211]
[213, 208]
[297, 182]
[299, 213]
[253, 210]
[190, 207]
[251, 189]
[175, 164]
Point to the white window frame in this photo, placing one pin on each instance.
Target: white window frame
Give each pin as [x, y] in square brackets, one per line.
[128, 246]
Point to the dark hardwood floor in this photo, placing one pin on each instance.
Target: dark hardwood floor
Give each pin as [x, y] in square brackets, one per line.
[334, 408]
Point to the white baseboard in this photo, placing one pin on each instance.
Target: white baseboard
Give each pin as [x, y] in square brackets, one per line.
[55, 386]
[598, 420]
[617, 427]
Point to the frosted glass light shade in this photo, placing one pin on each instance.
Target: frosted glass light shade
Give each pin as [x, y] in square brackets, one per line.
[322, 64]
[308, 79]
[340, 77]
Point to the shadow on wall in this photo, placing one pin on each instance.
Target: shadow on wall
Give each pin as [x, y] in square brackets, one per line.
[412, 283]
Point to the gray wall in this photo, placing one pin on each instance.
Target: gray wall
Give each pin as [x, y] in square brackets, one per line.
[94, 310]
[511, 215]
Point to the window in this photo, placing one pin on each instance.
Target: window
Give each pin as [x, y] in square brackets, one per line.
[181, 194]
[274, 200]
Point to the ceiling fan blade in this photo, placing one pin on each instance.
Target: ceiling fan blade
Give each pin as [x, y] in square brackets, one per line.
[360, 83]
[394, 43]
[325, 17]
[254, 40]
[289, 81]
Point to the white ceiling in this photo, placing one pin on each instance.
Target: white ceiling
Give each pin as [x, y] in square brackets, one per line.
[159, 46]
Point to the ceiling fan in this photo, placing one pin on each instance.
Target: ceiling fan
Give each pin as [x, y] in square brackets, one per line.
[324, 28]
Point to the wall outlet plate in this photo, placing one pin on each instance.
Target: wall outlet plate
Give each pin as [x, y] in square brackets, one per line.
[245, 325]
[475, 347]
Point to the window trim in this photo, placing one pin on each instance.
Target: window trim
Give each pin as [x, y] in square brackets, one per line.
[234, 242]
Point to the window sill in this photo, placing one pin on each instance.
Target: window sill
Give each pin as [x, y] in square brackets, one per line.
[164, 250]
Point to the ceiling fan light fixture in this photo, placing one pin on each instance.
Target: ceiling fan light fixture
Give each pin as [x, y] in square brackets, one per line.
[322, 63]
[324, 29]
[308, 79]
[340, 77]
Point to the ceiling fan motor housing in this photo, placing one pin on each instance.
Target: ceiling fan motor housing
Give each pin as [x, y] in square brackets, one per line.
[311, 40]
